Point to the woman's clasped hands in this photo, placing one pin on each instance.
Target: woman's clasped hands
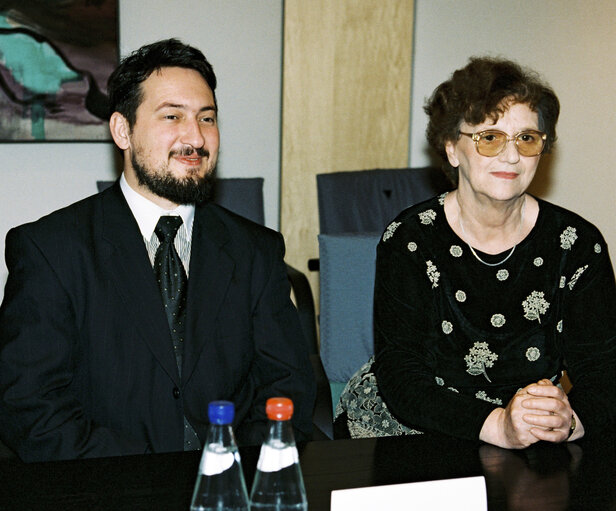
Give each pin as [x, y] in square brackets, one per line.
[539, 411]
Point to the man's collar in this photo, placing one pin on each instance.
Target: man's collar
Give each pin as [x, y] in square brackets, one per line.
[147, 213]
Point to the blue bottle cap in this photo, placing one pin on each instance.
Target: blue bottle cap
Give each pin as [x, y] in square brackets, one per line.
[221, 412]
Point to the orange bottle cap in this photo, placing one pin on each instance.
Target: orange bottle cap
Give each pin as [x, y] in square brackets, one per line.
[279, 408]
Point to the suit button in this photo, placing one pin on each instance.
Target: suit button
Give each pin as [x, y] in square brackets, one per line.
[176, 393]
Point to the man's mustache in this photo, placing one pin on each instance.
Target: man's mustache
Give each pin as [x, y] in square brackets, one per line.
[189, 150]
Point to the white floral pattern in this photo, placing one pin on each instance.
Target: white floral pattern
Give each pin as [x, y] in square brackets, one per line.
[567, 238]
[427, 217]
[412, 246]
[368, 415]
[502, 275]
[538, 261]
[447, 327]
[498, 320]
[460, 296]
[433, 273]
[559, 326]
[597, 248]
[533, 353]
[535, 305]
[391, 228]
[576, 276]
[479, 358]
[481, 394]
[441, 198]
[563, 281]
[439, 380]
[455, 251]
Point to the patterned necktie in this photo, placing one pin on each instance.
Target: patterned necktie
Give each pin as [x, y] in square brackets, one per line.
[172, 283]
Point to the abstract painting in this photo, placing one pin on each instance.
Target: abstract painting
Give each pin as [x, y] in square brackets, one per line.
[55, 58]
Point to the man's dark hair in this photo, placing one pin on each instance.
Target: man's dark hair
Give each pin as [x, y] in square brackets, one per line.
[482, 90]
[124, 84]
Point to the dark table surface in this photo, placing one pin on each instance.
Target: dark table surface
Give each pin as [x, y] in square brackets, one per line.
[544, 477]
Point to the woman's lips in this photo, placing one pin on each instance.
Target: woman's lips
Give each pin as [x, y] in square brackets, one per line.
[505, 175]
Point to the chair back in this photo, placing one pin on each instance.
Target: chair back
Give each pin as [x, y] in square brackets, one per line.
[367, 200]
[347, 268]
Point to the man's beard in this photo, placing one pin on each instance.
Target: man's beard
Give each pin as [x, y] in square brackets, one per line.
[188, 190]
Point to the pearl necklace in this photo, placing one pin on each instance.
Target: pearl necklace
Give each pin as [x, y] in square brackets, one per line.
[473, 250]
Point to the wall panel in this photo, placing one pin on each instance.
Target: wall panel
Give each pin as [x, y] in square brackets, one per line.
[346, 102]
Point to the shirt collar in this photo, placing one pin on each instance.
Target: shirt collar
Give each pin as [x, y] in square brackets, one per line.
[147, 213]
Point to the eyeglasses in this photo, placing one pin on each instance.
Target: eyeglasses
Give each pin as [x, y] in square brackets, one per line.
[493, 142]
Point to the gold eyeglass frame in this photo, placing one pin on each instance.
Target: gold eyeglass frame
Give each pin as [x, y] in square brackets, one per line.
[476, 137]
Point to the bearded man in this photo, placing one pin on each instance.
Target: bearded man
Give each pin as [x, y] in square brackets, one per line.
[126, 313]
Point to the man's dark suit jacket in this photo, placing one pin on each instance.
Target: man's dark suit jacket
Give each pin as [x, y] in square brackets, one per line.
[86, 358]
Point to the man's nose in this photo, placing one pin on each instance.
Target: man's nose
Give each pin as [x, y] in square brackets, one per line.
[192, 135]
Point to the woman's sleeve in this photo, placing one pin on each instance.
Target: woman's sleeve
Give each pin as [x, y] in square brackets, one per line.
[589, 336]
[406, 336]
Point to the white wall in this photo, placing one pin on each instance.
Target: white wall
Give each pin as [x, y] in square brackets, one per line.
[243, 41]
[572, 44]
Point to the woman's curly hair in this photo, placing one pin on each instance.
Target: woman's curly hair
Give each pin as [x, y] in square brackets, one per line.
[482, 90]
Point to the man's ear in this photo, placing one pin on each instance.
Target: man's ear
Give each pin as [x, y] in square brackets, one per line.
[120, 131]
[450, 149]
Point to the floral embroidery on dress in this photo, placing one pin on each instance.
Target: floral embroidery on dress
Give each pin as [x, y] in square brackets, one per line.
[412, 246]
[480, 394]
[498, 320]
[391, 228]
[439, 381]
[535, 305]
[559, 326]
[502, 275]
[568, 237]
[563, 280]
[533, 354]
[460, 296]
[441, 198]
[367, 413]
[576, 276]
[478, 358]
[597, 248]
[433, 273]
[453, 390]
[427, 217]
[447, 327]
[538, 261]
[455, 251]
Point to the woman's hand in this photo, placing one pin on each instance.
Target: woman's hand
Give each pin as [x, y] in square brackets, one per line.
[540, 411]
[544, 397]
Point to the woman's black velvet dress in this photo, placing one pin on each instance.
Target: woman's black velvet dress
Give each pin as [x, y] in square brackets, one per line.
[455, 338]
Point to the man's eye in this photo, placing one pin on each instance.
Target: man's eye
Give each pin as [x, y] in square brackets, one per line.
[171, 116]
[209, 120]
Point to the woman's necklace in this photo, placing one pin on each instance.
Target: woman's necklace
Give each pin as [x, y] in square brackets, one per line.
[473, 250]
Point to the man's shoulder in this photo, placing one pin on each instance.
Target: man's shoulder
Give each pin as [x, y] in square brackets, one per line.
[74, 218]
[239, 227]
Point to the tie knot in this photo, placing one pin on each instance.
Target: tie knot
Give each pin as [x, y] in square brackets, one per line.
[167, 227]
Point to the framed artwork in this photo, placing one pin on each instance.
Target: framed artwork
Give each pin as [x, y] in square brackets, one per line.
[55, 58]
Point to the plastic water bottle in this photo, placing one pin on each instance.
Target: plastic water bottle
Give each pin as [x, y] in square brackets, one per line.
[278, 483]
[220, 484]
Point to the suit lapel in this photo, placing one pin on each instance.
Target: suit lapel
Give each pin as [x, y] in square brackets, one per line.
[134, 280]
[211, 269]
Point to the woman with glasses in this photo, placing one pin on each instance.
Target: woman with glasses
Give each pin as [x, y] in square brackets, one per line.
[485, 295]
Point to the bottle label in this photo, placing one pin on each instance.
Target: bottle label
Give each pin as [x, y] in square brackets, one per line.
[272, 458]
[216, 459]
